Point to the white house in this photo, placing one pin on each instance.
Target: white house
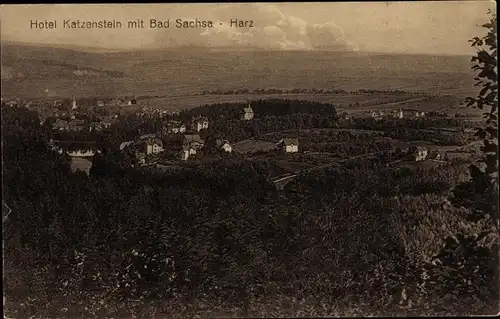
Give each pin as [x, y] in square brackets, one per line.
[419, 153]
[154, 146]
[199, 123]
[176, 127]
[224, 145]
[247, 113]
[399, 114]
[418, 114]
[186, 152]
[289, 145]
[377, 115]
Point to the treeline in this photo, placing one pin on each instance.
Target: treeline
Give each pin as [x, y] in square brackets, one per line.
[261, 108]
[417, 129]
[414, 181]
[420, 123]
[312, 91]
[342, 144]
[235, 130]
[270, 116]
[437, 137]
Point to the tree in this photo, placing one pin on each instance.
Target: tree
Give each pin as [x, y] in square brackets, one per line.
[469, 263]
[480, 193]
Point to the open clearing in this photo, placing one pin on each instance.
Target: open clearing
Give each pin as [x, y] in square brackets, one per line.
[183, 102]
[80, 164]
[251, 146]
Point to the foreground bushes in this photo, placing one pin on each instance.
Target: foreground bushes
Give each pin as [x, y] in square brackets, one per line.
[219, 235]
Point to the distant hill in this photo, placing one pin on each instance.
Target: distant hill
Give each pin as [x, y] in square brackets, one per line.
[33, 62]
[34, 70]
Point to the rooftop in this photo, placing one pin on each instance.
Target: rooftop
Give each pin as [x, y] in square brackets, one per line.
[200, 119]
[192, 138]
[147, 136]
[220, 143]
[290, 141]
[125, 144]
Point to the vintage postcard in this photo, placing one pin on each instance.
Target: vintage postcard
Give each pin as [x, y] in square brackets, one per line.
[250, 159]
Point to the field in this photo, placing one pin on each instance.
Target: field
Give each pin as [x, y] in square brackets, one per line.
[366, 102]
[251, 146]
[189, 101]
[33, 71]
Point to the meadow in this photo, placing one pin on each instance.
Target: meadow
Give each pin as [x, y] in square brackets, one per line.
[49, 71]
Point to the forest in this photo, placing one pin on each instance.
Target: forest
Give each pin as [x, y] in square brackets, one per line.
[314, 91]
[343, 240]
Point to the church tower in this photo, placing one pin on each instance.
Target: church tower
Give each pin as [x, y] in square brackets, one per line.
[73, 103]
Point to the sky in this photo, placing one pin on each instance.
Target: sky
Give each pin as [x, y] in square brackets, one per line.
[429, 27]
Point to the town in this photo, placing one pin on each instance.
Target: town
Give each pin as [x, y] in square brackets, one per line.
[171, 138]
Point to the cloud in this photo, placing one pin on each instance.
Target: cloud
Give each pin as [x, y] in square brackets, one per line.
[326, 36]
[271, 30]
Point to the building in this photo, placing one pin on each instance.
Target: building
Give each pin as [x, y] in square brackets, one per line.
[418, 153]
[289, 145]
[185, 152]
[223, 145]
[439, 156]
[99, 126]
[12, 103]
[377, 115]
[175, 127]
[199, 123]
[154, 146]
[74, 148]
[247, 114]
[147, 137]
[140, 158]
[73, 104]
[398, 114]
[194, 141]
[344, 116]
[418, 114]
[124, 145]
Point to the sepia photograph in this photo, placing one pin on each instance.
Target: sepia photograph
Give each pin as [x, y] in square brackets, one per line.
[250, 160]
